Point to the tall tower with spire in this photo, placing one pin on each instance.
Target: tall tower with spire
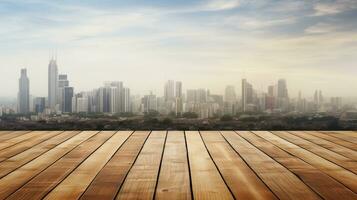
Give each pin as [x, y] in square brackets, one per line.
[52, 84]
[24, 93]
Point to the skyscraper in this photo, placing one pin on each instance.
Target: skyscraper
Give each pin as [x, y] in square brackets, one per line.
[169, 90]
[282, 89]
[230, 94]
[127, 102]
[62, 84]
[247, 94]
[52, 84]
[178, 89]
[68, 93]
[39, 104]
[24, 93]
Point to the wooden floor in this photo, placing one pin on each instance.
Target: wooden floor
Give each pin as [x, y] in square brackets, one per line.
[178, 165]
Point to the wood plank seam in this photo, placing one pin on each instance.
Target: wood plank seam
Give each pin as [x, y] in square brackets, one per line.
[323, 157]
[12, 133]
[334, 140]
[49, 165]
[158, 173]
[23, 148]
[215, 164]
[78, 164]
[116, 195]
[298, 159]
[107, 163]
[107, 143]
[189, 165]
[248, 164]
[1, 176]
[141, 179]
[135, 137]
[339, 149]
[27, 133]
[318, 167]
[308, 192]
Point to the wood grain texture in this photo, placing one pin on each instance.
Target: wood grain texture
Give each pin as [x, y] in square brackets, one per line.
[141, 180]
[207, 182]
[39, 186]
[344, 176]
[342, 136]
[242, 181]
[350, 145]
[281, 181]
[22, 146]
[76, 183]
[321, 183]
[11, 134]
[109, 180]
[174, 178]
[178, 165]
[16, 179]
[338, 159]
[23, 137]
[20, 159]
[344, 151]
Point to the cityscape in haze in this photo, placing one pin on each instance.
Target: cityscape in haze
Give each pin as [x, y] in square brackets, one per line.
[178, 64]
[114, 99]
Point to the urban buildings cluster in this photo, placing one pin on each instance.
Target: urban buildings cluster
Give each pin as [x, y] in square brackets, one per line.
[115, 98]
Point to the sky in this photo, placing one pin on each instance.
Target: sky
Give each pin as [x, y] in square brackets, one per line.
[203, 43]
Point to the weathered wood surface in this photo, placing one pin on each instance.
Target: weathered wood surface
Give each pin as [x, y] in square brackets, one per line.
[178, 165]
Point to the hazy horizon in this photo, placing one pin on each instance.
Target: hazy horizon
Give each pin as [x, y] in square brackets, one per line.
[204, 44]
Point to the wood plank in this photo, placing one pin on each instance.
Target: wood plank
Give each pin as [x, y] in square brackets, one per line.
[76, 183]
[174, 178]
[40, 185]
[338, 159]
[327, 144]
[21, 136]
[20, 159]
[344, 176]
[109, 180]
[11, 134]
[280, 180]
[234, 170]
[16, 179]
[335, 140]
[141, 180]
[347, 133]
[321, 183]
[22, 146]
[207, 182]
[342, 136]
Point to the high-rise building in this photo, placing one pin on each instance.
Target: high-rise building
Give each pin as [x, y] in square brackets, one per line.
[62, 84]
[68, 93]
[169, 90]
[149, 102]
[282, 101]
[24, 93]
[247, 95]
[52, 84]
[39, 104]
[230, 94]
[127, 102]
[117, 96]
[282, 89]
[178, 89]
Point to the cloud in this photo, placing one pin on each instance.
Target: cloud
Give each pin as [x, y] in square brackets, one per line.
[215, 5]
[320, 28]
[335, 7]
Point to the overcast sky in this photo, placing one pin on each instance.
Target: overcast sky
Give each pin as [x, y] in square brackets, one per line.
[203, 43]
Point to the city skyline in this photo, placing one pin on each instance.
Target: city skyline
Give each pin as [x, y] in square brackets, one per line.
[115, 98]
[212, 43]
